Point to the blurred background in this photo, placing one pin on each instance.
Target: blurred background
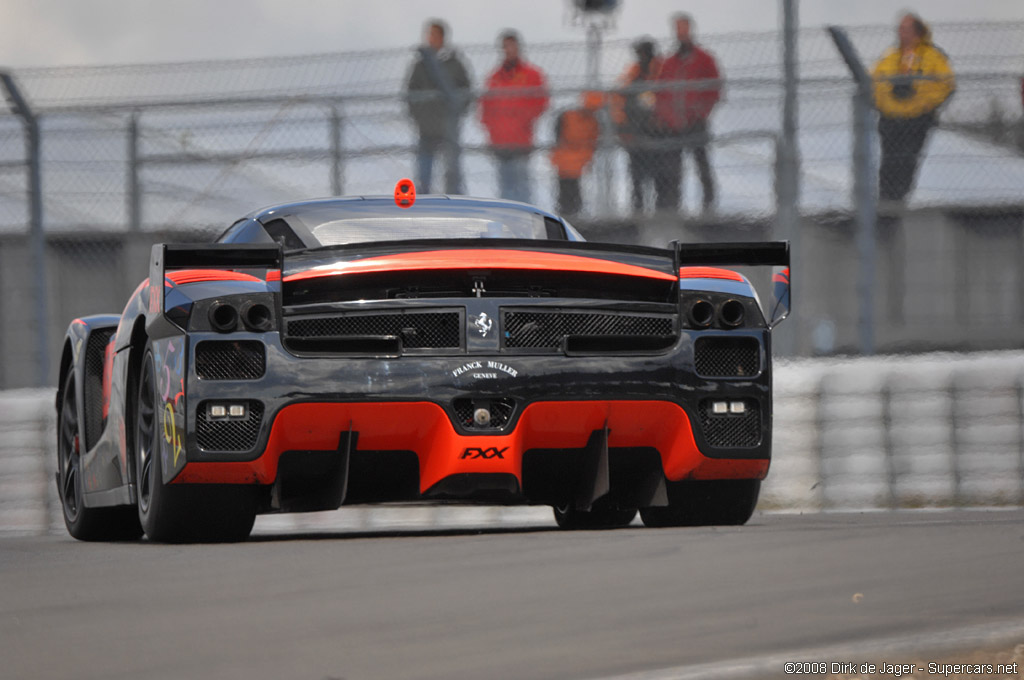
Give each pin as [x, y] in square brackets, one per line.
[182, 119]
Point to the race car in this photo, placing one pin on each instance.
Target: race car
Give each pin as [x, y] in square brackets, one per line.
[370, 350]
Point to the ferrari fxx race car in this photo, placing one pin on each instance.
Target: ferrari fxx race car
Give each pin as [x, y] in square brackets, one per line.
[374, 350]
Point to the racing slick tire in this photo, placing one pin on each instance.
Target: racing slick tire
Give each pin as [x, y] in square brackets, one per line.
[172, 513]
[598, 517]
[705, 503]
[83, 523]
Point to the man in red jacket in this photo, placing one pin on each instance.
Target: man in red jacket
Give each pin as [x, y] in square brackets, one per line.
[691, 86]
[516, 96]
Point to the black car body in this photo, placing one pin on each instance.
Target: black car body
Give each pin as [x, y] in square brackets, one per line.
[461, 350]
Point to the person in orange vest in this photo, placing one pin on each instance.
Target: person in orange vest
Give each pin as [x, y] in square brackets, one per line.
[515, 97]
[576, 134]
[912, 81]
[632, 112]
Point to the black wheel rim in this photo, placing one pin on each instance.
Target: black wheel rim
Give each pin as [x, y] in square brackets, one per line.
[70, 454]
[145, 435]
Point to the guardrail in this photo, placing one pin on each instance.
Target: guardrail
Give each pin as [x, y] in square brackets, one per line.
[928, 431]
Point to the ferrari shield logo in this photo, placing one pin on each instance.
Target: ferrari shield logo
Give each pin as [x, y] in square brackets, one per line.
[483, 323]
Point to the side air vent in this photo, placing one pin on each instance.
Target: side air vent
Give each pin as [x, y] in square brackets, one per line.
[376, 331]
[586, 331]
[230, 360]
[95, 350]
[228, 433]
[719, 356]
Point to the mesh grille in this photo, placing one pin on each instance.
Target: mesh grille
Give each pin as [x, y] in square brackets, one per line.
[725, 357]
[94, 352]
[417, 330]
[501, 412]
[732, 430]
[230, 360]
[536, 329]
[231, 434]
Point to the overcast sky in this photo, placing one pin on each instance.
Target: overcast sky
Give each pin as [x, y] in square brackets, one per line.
[70, 32]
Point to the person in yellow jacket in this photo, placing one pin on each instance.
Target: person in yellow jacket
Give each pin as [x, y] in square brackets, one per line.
[912, 80]
[576, 134]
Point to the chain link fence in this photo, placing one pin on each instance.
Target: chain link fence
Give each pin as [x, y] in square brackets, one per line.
[136, 154]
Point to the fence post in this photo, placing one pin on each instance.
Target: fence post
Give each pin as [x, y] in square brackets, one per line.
[787, 154]
[887, 447]
[336, 163]
[48, 472]
[1020, 440]
[954, 439]
[819, 441]
[134, 196]
[864, 179]
[37, 238]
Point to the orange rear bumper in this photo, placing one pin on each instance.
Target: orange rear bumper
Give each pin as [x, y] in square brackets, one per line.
[424, 428]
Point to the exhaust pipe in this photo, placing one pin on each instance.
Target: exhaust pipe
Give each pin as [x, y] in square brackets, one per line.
[701, 313]
[257, 317]
[223, 317]
[731, 313]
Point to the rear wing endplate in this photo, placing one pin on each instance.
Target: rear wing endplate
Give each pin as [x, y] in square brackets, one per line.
[167, 256]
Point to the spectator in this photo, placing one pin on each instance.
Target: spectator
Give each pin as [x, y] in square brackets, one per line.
[516, 96]
[632, 111]
[437, 94]
[691, 88]
[576, 134]
[912, 80]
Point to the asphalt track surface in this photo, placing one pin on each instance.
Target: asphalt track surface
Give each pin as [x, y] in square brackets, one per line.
[508, 603]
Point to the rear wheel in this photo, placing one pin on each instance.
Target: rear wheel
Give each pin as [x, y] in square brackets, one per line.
[84, 523]
[181, 513]
[705, 503]
[598, 517]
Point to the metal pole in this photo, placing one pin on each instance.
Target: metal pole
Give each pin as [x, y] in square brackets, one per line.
[37, 238]
[864, 181]
[336, 183]
[819, 443]
[864, 200]
[788, 186]
[954, 440]
[134, 193]
[603, 161]
[887, 446]
[787, 165]
[593, 54]
[1020, 440]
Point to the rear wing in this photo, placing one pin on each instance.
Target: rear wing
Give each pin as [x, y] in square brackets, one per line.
[773, 254]
[228, 256]
[750, 253]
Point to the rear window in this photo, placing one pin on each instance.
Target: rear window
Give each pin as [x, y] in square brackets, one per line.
[356, 223]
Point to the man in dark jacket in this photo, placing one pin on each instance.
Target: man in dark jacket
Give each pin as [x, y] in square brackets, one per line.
[691, 87]
[632, 111]
[438, 94]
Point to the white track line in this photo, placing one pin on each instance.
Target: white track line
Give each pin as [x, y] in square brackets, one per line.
[870, 651]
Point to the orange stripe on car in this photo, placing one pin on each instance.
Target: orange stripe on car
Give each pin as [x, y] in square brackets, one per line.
[709, 273]
[479, 259]
[183, 276]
